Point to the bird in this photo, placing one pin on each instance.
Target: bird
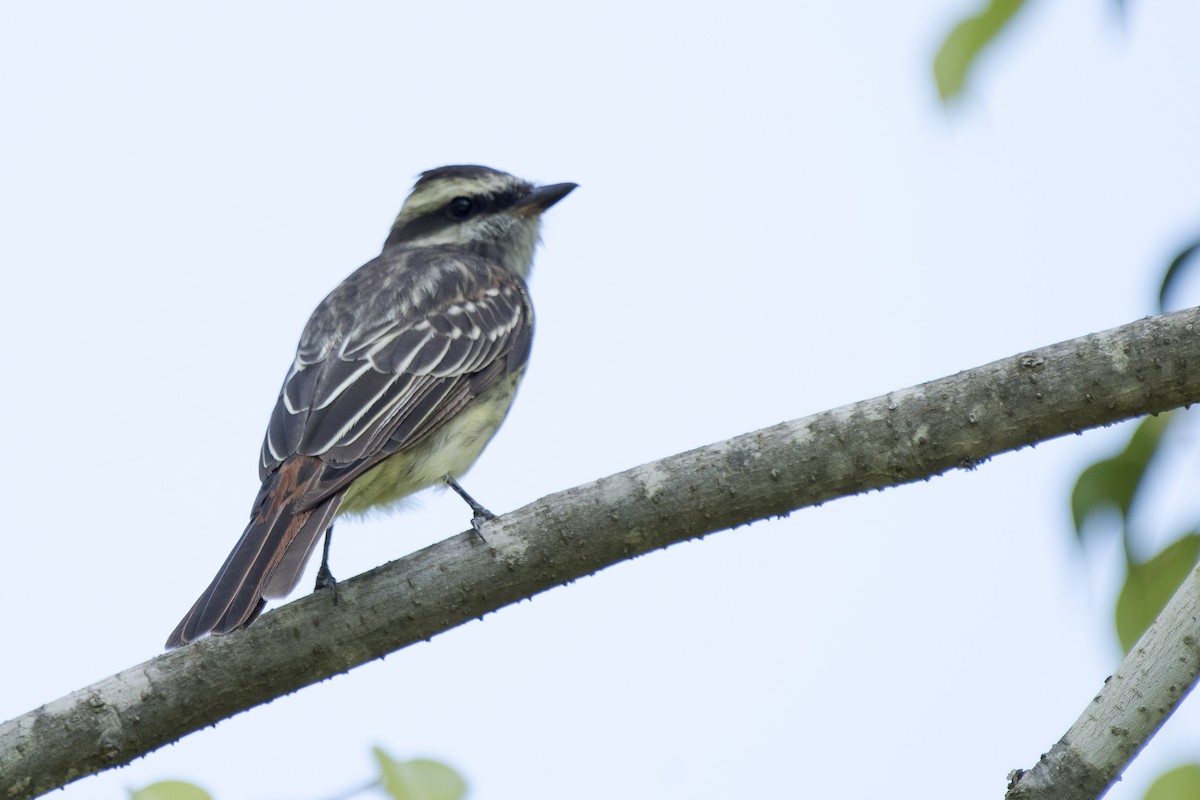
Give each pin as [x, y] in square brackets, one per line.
[402, 375]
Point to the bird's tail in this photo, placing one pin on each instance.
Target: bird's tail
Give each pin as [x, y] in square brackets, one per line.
[266, 562]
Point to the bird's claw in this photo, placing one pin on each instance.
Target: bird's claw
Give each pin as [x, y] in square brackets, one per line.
[482, 516]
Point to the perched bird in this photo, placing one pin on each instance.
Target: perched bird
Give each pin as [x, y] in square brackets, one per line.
[403, 374]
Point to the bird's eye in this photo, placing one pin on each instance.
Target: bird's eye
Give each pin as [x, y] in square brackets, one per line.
[461, 207]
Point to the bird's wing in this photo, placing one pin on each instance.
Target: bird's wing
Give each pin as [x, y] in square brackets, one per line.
[384, 385]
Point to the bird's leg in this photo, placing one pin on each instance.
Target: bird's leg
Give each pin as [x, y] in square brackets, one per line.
[481, 516]
[325, 579]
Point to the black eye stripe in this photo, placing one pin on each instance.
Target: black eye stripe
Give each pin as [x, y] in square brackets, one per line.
[438, 215]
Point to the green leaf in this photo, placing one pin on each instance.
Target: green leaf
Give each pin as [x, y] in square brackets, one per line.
[170, 790]
[1149, 586]
[1185, 258]
[1181, 783]
[419, 779]
[1112, 483]
[969, 37]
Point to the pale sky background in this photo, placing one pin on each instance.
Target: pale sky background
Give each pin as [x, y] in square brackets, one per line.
[775, 217]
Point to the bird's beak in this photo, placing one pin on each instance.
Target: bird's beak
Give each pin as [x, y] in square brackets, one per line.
[543, 197]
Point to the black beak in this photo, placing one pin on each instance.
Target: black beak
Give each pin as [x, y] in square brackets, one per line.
[542, 197]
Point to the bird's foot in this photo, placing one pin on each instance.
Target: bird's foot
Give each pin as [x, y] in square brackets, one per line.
[325, 579]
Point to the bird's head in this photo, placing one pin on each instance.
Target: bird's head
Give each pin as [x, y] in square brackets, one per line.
[479, 209]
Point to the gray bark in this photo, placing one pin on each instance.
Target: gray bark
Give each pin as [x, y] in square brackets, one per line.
[1134, 702]
[956, 422]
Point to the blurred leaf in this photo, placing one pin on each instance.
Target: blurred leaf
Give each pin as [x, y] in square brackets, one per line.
[419, 779]
[171, 790]
[1149, 586]
[1185, 258]
[1112, 483]
[958, 53]
[1181, 783]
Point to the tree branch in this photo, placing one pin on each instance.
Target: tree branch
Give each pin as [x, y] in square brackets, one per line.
[1145, 367]
[1133, 704]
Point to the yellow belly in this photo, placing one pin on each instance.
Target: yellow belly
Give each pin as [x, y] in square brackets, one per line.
[450, 451]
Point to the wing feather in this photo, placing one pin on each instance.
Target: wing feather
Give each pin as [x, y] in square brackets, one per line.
[408, 346]
[452, 362]
[430, 355]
